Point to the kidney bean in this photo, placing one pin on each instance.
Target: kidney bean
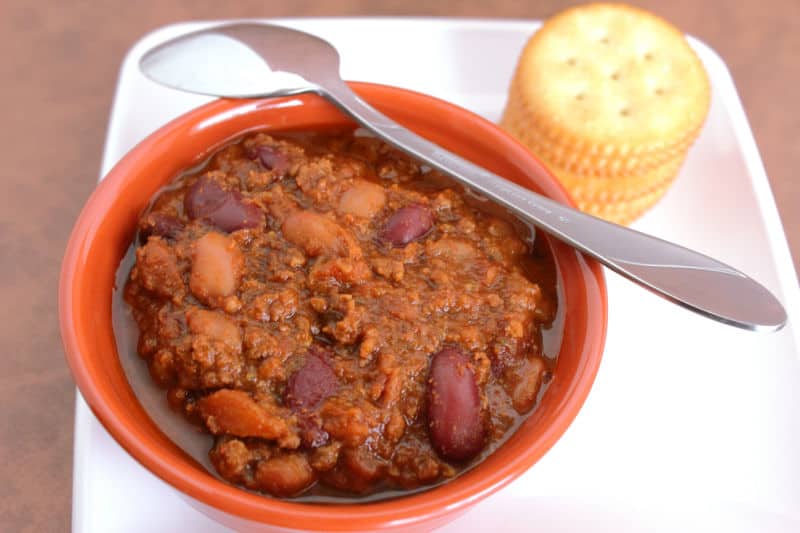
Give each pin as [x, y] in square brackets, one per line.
[311, 384]
[235, 214]
[407, 224]
[226, 210]
[272, 159]
[454, 407]
[161, 225]
[204, 197]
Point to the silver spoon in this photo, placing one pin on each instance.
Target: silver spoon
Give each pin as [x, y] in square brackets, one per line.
[287, 62]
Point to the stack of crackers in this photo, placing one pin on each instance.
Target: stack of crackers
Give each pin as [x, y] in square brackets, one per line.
[610, 98]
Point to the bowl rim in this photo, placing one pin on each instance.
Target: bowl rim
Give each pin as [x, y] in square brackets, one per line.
[404, 511]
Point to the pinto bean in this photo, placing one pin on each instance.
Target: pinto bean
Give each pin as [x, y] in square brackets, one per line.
[311, 384]
[216, 266]
[458, 250]
[314, 233]
[234, 412]
[285, 475]
[226, 210]
[215, 325]
[454, 407]
[364, 199]
[407, 224]
[523, 379]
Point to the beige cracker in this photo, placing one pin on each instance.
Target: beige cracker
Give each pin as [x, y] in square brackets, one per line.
[623, 212]
[617, 189]
[612, 84]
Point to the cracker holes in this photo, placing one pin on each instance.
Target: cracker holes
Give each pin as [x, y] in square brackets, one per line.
[572, 61]
[615, 75]
[603, 39]
[624, 112]
[579, 96]
[648, 56]
[659, 91]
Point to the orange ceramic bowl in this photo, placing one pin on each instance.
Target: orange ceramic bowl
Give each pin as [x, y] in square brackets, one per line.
[106, 228]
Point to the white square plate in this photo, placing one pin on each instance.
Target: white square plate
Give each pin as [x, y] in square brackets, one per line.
[691, 425]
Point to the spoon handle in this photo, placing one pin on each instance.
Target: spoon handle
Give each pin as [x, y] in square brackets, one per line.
[683, 276]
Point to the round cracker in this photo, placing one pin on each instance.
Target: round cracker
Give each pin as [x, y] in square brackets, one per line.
[578, 158]
[618, 189]
[624, 212]
[609, 83]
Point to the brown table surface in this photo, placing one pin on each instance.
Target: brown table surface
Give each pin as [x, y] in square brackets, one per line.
[59, 69]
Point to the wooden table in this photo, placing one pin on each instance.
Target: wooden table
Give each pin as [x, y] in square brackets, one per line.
[58, 72]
